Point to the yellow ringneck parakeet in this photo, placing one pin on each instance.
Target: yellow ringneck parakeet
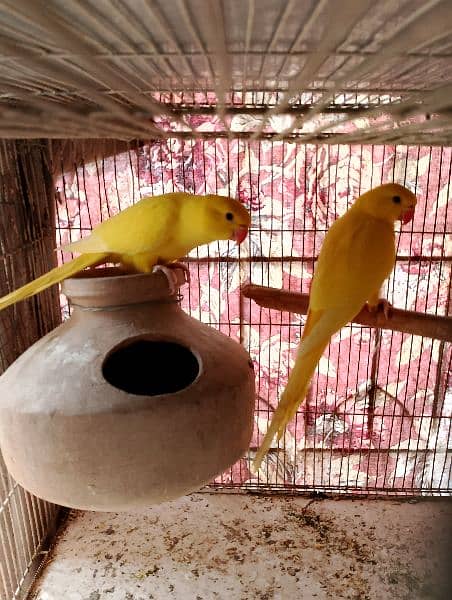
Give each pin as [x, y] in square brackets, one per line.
[157, 230]
[357, 255]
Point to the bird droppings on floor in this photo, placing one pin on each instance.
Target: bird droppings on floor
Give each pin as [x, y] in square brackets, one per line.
[249, 547]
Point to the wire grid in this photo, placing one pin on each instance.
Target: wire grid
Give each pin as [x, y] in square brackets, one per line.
[96, 69]
[27, 235]
[378, 416]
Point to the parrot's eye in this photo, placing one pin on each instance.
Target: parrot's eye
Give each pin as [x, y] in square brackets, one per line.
[396, 199]
[229, 216]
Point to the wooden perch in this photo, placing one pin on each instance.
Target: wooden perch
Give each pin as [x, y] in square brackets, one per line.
[416, 323]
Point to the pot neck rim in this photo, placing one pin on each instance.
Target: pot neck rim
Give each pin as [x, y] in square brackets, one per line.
[109, 286]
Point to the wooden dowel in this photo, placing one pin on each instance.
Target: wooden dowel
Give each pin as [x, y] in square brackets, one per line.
[432, 326]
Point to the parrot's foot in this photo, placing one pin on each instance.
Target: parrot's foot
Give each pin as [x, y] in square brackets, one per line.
[168, 271]
[382, 305]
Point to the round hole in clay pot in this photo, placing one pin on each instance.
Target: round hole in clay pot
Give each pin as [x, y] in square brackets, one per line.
[150, 367]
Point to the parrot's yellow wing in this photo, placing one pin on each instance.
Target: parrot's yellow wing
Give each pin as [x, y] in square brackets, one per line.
[147, 226]
[357, 255]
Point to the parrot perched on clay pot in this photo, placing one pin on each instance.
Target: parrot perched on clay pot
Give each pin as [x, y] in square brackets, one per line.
[154, 232]
[357, 255]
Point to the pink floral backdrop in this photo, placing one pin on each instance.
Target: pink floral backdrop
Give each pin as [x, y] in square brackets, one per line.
[343, 438]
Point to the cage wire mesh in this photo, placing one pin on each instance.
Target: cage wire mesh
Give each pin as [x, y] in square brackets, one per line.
[27, 235]
[97, 69]
[378, 415]
[222, 88]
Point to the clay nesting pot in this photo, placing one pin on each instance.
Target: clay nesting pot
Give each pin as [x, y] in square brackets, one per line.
[128, 403]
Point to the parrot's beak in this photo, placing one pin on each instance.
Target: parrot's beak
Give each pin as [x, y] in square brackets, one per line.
[239, 234]
[407, 215]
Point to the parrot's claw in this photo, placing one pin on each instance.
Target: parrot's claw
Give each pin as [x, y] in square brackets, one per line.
[183, 266]
[170, 276]
[381, 306]
[168, 271]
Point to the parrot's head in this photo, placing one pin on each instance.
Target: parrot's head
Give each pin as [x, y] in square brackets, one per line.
[390, 201]
[226, 218]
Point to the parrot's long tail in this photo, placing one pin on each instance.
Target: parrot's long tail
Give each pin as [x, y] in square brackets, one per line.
[54, 276]
[294, 394]
[297, 386]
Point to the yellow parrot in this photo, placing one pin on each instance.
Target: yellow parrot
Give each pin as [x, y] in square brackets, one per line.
[157, 230]
[357, 255]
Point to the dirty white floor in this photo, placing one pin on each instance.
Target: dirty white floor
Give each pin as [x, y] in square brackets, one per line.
[246, 547]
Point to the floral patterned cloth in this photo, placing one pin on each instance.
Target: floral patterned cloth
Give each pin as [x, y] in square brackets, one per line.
[378, 415]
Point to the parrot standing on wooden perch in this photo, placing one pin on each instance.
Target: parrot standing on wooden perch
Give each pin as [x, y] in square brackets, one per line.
[156, 231]
[357, 255]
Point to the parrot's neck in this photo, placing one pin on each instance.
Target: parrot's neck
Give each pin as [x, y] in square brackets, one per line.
[372, 209]
[194, 231]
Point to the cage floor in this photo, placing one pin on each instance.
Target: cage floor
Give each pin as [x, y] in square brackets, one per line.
[251, 547]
